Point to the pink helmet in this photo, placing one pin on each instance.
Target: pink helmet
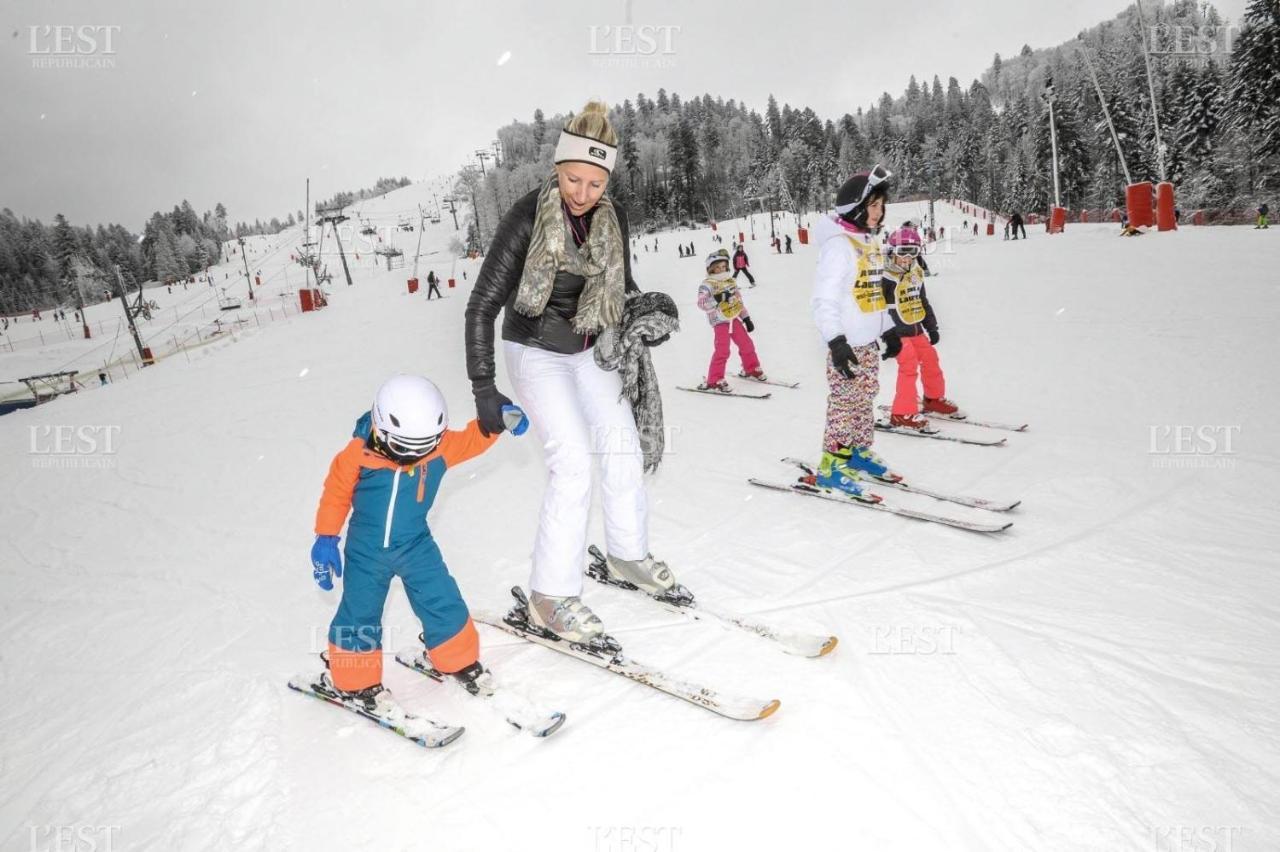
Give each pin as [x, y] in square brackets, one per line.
[904, 236]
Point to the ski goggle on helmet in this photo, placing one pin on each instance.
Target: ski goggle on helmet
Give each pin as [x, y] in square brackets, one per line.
[878, 176]
[717, 256]
[409, 415]
[904, 242]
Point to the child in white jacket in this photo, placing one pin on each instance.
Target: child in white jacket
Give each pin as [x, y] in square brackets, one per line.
[849, 309]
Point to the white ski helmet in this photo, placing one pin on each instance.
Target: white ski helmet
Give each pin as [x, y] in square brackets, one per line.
[410, 415]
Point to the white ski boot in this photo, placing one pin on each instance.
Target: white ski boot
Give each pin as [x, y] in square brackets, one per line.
[648, 574]
[567, 617]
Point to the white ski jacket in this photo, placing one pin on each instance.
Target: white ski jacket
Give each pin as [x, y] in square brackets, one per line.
[847, 294]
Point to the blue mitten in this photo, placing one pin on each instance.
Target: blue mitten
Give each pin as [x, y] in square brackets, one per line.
[326, 560]
[514, 418]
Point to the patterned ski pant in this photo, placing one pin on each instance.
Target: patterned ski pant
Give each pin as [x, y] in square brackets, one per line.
[851, 402]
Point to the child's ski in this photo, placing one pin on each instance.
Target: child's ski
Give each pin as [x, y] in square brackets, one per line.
[605, 652]
[681, 600]
[423, 731]
[805, 486]
[515, 708]
[937, 435]
[901, 485]
[750, 378]
[960, 417]
[715, 392]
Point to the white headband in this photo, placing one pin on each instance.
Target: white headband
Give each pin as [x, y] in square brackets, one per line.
[572, 148]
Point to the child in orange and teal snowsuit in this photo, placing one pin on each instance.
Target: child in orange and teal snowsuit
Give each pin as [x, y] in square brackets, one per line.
[387, 478]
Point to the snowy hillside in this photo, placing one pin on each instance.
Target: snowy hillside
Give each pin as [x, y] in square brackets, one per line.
[1100, 676]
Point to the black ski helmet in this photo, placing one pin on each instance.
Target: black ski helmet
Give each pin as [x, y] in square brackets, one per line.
[859, 191]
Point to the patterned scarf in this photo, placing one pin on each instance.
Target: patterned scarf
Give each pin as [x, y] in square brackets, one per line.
[646, 316]
[599, 260]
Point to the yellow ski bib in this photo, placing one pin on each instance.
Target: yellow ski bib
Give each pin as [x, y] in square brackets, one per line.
[906, 297]
[867, 294]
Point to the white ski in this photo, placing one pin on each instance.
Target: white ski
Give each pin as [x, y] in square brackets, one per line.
[811, 490]
[961, 417]
[515, 708]
[418, 729]
[748, 378]
[901, 485]
[606, 653]
[681, 600]
[938, 435]
[714, 392]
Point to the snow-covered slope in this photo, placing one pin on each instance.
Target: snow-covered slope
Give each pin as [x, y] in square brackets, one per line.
[1099, 677]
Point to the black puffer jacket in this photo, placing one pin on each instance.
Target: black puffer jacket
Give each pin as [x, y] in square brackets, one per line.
[498, 283]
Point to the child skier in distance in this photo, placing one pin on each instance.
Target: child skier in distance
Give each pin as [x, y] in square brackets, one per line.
[913, 336]
[849, 310]
[718, 296]
[386, 478]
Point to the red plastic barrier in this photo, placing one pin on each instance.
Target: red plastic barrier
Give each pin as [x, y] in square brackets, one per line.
[1198, 218]
[413, 285]
[1165, 219]
[1117, 216]
[742, 238]
[1057, 220]
[991, 229]
[147, 358]
[802, 234]
[713, 226]
[452, 283]
[1137, 198]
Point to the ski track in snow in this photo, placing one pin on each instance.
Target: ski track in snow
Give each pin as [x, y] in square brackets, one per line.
[1098, 675]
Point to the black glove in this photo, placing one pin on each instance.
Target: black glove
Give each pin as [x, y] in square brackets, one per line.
[892, 345]
[749, 324]
[657, 341]
[842, 357]
[489, 402]
[722, 296]
[933, 336]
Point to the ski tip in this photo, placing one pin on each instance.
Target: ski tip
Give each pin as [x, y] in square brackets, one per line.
[441, 741]
[556, 722]
[828, 646]
[769, 709]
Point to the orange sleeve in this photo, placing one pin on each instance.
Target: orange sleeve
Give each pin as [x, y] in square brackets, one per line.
[339, 485]
[458, 446]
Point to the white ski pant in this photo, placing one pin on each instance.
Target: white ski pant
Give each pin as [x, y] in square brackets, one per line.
[577, 411]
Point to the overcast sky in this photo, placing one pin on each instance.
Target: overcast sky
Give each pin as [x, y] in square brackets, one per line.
[238, 101]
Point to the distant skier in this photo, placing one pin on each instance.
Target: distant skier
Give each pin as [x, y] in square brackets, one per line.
[914, 334]
[387, 478]
[1263, 211]
[788, 244]
[719, 298]
[741, 264]
[1016, 225]
[849, 309]
[433, 285]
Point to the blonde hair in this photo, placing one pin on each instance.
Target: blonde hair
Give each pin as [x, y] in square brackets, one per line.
[593, 121]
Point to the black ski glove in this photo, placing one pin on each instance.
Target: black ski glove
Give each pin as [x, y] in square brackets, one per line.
[934, 337]
[489, 402]
[892, 345]
[657, 341]
[749, 324]
[842, 357]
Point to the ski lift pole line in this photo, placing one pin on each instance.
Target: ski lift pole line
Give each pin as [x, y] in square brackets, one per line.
[1106, 113]
[1151, 87]
[1053, 142]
